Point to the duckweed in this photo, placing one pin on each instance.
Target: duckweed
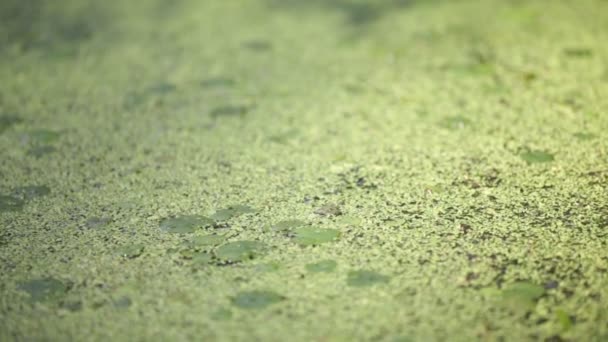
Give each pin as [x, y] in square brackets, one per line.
[257, 299]
[40, 151]
[363, 278]
[184, 224]
[229, 111]
[455, 122]
[313, 236]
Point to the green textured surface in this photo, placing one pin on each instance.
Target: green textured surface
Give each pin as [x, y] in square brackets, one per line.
[459, 148]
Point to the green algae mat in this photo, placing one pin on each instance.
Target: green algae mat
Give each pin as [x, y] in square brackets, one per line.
[282, 170]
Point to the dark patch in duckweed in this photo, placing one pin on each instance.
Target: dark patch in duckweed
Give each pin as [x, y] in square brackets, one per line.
[239, 251]
[364, 278]
[322, 266]
[231, 212]
[184, 224]
[131, 251]
[7, 121]
[307, 236]
[257, 299]
[218, 82]
[151, 93]
[230, 110]
[29, 192]
[578, 52]
[536, 156]
[10, 203]
[44, 289]
[40, 151]
[258, 45]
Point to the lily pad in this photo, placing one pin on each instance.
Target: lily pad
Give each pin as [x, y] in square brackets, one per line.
[322, 266]
[231, 211]
[521, 295]
[6, 121]
[239, 250]
[258, 299]
[131, 251]
[208, 240]
[10, 203]
[314, 236]
[44, 289]
[287, 225]
[43, 136]
[32, 191]
[363, 278]
[184, 224]
[537, 156]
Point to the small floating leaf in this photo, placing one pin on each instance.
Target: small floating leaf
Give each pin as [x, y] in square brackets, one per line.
[6, 121]
[329, 209]
[32, 191]
[43, 136]
[585, 136]
[287, 225]
[537, 156]
[239, 250]
[578, 52]
[522, 295]
[44, 289]
[221, 314]
[362, 278]
[314, 236]
[229, 111]
[201, 259]
[322, 266]
[122, 303]
[455, 122]
[258, 299]
[97, 222]
[268, 267]
[131, 251]
[563, 319]
[10, 203]
[39, 151]
[184, 224]
[217, 82]
[231, 211]
[208, 240]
